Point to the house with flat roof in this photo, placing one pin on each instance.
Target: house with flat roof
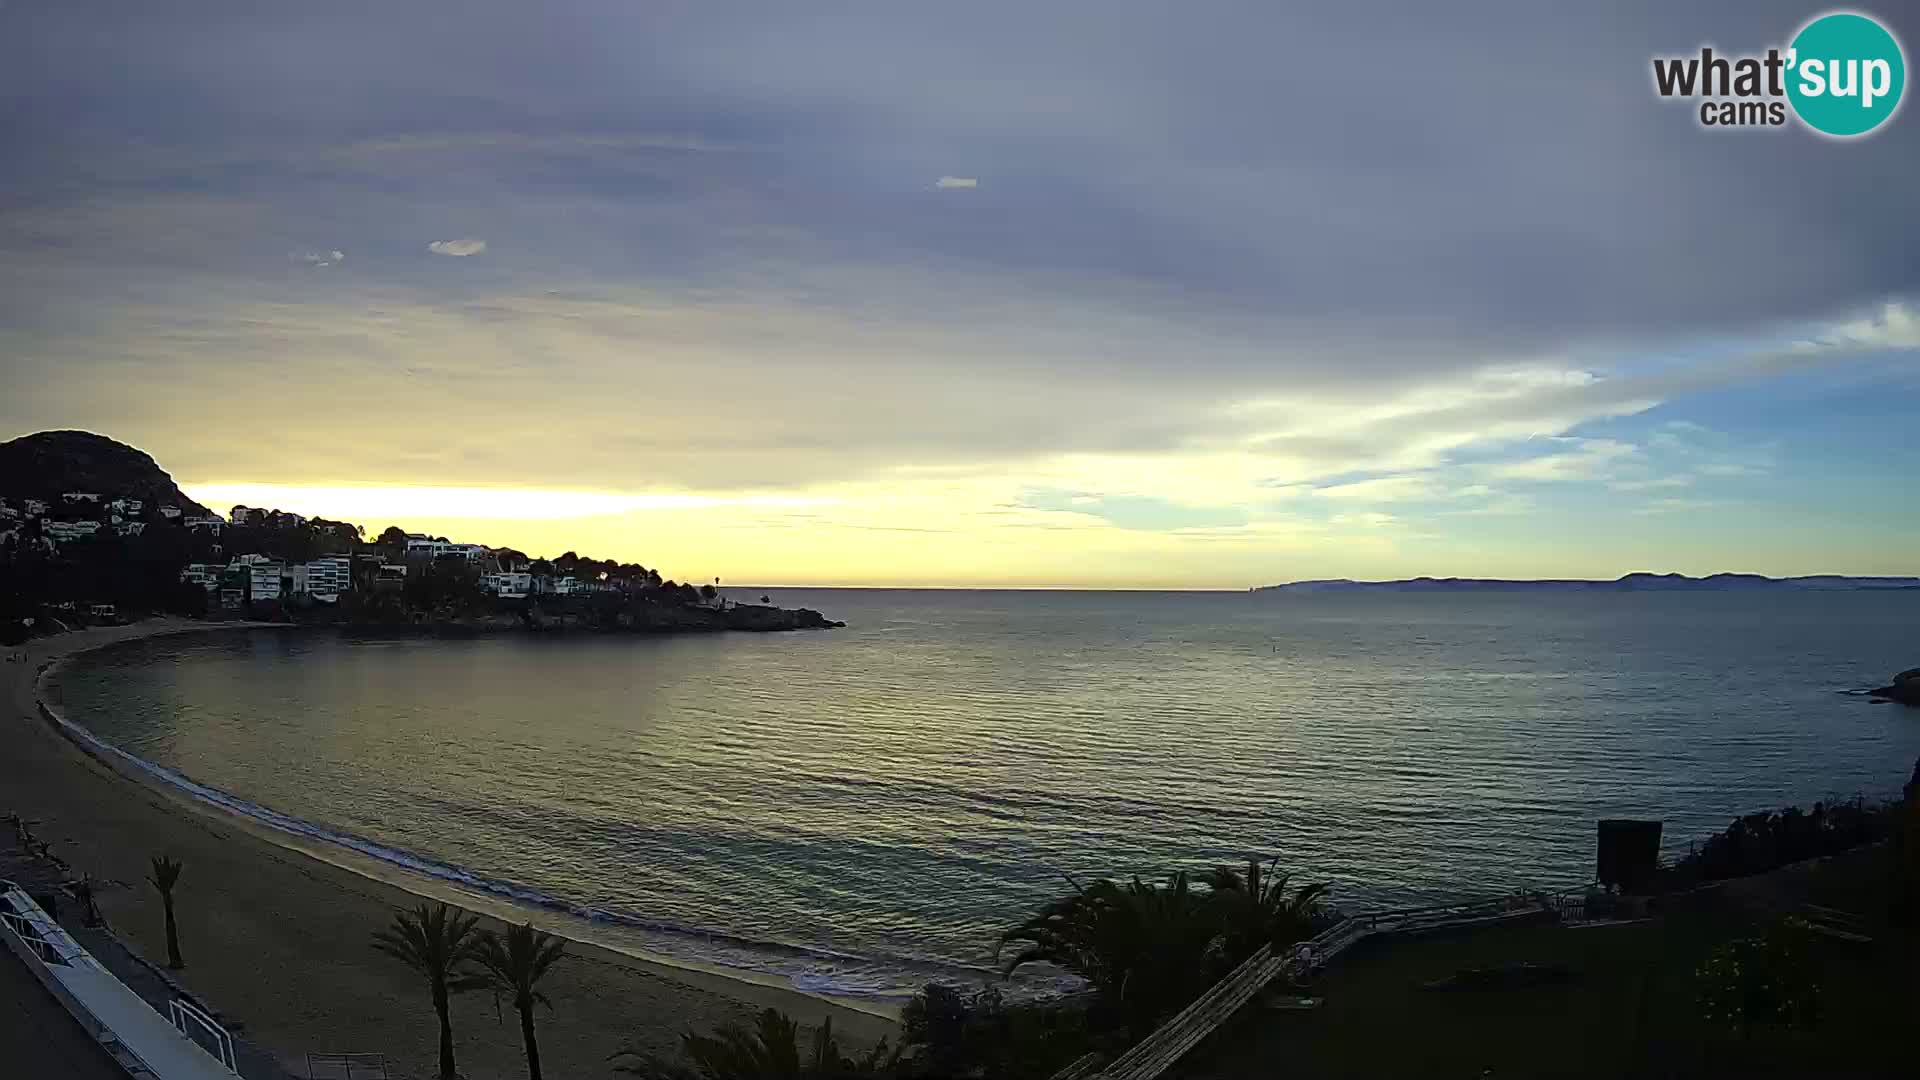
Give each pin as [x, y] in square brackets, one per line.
[64, 531]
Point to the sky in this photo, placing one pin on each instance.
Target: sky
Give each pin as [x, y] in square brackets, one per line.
[1105, 294]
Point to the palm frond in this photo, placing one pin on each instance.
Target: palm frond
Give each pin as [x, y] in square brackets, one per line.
[166, 873]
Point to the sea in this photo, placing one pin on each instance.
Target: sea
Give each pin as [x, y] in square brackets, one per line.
[860, 811]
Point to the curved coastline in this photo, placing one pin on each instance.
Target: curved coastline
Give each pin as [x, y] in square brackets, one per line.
[371, 863]
[456, 884]
[426, 877]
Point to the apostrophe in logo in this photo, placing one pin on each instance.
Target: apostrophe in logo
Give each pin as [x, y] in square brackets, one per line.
[1846, 74]
[1842, 75]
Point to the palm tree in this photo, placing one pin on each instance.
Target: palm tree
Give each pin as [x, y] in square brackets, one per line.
[440, 943]
[1257, 910]
[166, 874]
[771, 1051]
[515, 965]
[1147, 950]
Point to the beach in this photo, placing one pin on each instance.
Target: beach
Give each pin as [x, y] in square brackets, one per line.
[275, 931]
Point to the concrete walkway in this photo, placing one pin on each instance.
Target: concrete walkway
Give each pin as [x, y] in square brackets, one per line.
[38, 1037]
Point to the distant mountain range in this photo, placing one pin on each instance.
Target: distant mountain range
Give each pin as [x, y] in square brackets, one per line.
[1629, 583]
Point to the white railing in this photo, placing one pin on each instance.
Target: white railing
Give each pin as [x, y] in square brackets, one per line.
[1167, 1044]
[37, 930]
[346, 1067]
[132, 1031]
[195, 1024]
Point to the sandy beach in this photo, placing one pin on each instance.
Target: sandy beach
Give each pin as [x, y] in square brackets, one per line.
[275, 932]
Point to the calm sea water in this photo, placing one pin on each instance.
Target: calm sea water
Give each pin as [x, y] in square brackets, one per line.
[863, 809]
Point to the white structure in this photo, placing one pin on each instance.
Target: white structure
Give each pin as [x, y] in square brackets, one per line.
[265, 583]
[244, 515]
[263, 576]
[205, 575]
[72, 497]
[143, 1041]
[508, 584]
[63, 531]
[125, 506]
[212, 524]
[130, 528]
[35, 507]
[8, 513]
[325, 579]
[428, 547]
[169, 512]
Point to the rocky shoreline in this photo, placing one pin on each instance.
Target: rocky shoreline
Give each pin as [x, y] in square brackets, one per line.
[572, 618]
[1904, 689]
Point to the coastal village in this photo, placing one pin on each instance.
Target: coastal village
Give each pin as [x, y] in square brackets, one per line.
[246, 578]
[93, 531]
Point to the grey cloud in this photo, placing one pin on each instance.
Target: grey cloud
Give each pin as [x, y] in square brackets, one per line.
[1188, 206]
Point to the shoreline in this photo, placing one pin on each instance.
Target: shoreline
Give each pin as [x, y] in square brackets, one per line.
[306, 900]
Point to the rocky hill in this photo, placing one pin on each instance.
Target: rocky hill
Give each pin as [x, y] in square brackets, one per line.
[48, 463]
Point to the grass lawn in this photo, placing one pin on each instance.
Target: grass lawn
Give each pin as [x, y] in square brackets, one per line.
[1628, 1009]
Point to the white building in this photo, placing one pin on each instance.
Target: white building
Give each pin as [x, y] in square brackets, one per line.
[211, 524]
[427, 547]
[263, 576]
[8, 513]
[205, 575]
[325, 579]
[130, 528]
[126, 506]
[169, 512]
[35, 507]
[63, 531]
[244, 515]
[73, 497]
[507, 584]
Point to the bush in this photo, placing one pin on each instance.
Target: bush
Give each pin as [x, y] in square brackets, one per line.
[1761, 982]
[1760, 842]
[956, 1034]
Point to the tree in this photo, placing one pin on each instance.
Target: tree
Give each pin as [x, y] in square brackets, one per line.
[515, 965]
[393, 536]
[771, 1051]
[166, 875]
[983, 1035]
[441, 944]
[1147, 950]
[1257, 910]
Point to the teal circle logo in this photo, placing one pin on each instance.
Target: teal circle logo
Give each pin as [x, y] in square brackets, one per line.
[1845, 74]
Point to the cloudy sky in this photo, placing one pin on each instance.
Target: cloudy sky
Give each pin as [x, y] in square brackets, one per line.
[1074, 293]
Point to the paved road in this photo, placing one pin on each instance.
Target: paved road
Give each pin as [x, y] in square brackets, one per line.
[38, 1037]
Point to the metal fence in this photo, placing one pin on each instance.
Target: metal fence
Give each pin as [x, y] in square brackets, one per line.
[346, 1067]
[195, 1024]
[36, 929]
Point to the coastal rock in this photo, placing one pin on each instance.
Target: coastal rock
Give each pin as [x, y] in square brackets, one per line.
[1904, 689]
